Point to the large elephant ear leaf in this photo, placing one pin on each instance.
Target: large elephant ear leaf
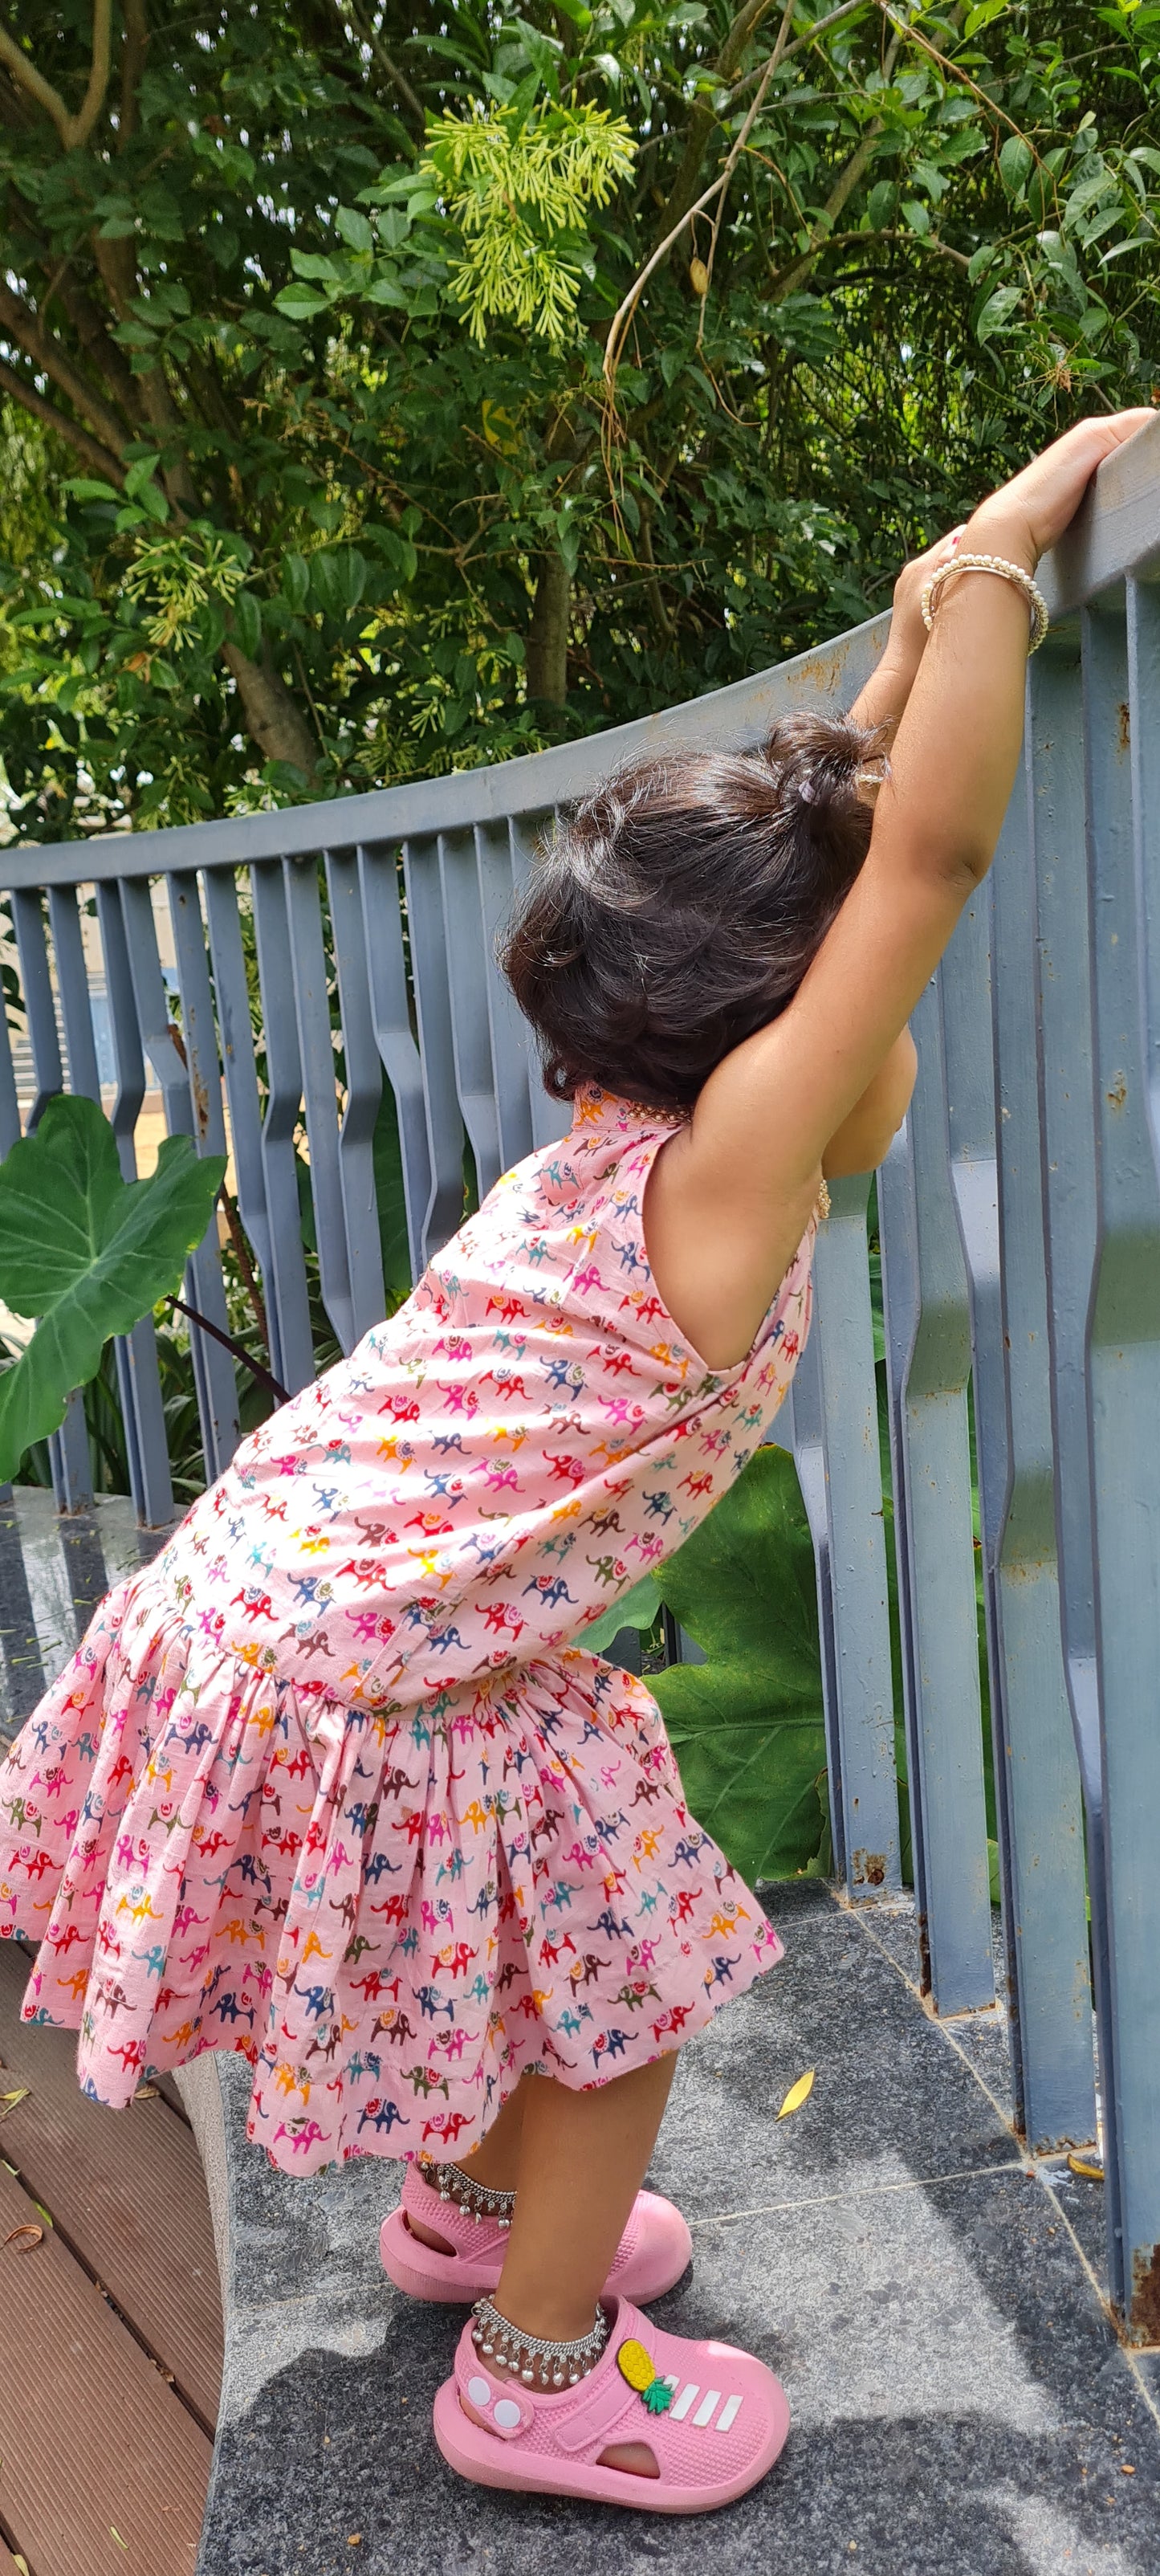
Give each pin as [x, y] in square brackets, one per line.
[86, 1252]
[746, 1726]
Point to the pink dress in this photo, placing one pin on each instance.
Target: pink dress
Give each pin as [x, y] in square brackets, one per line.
[331, 1782]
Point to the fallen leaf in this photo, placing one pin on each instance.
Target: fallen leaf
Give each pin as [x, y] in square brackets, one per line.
[121, 2544]
[1087, 2166]
[31, 2236]
[797, 2094]
[146, 2093]
[8, 2101]
[22, 2564]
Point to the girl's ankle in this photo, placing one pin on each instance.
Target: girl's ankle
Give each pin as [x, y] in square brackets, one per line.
[543, 2360]
[463, 2189]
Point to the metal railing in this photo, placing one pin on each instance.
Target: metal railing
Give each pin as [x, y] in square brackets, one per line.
[1020, 1234]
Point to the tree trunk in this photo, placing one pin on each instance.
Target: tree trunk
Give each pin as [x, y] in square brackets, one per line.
[547, 658]
[272, 719]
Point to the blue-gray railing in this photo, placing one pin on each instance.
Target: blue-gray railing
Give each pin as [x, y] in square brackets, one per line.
[1020, 1232]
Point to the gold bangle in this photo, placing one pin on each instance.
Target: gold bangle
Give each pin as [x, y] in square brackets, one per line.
[1013, 572]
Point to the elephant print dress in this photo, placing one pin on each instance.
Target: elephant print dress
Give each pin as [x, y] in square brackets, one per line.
[330, 1783]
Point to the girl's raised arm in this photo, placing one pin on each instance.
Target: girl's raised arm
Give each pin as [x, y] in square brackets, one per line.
[730, 1195]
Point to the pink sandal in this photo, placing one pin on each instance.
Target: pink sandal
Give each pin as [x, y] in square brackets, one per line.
[653, 2251]
[714, 2420]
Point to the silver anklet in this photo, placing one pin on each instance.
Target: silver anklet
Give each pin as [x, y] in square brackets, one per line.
[528, 2355]
[476, 2199]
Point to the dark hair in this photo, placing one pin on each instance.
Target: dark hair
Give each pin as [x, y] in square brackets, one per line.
[679, 906]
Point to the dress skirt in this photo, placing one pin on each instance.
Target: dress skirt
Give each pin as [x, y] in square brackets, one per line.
[391, 1917]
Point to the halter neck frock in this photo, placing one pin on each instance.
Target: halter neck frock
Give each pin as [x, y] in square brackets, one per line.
[334, 1783]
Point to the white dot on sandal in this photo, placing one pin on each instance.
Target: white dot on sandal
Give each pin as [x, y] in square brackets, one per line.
[479, 2392]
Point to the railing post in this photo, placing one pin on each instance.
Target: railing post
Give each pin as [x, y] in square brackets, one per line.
[1037, 1777]
[1121, 698]
[429, 976]
[860, 1699]
[288, 1304]
[1068, 1189]
[1040, 1846]
[319, 1096]
[800, 1425]
[394, 1036]
[470, 1027]
[364, 1091]
[212, 1366]
[138, 1377]
[68, 1448]
[928, 1362]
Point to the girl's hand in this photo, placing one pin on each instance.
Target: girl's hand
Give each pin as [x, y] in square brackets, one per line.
[882, 700]
[907, 632]
[1027, 516]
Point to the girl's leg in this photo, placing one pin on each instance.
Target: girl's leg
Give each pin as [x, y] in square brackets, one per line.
[495, 2161]
[583, 2158]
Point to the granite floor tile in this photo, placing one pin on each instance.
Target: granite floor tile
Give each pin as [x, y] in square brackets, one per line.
[960, 2409]
[960, 2404]
[883, 2070]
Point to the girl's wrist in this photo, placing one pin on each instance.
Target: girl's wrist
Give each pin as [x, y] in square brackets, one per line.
[996, 529]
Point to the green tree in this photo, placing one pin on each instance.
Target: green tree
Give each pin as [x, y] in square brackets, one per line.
[359, 447]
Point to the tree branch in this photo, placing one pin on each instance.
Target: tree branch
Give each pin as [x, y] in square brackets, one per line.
[623, 315]
[73, 130]
[94, 98]
[28, 330]
[704, 116]
[822, 234]
[33, 83]
[843, 188]
[133, 51]
[821, 26]
[398, 79]
[97, 458]
[89, 324]
[272, 719]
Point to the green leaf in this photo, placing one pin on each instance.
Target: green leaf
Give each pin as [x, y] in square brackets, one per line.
[82, 488]
[746, 1726]
[151, 499]
[87, 1252]
[296, 580]
[140, 473]
[1015, 163]
[248, 624]
[354, 228]
[997, 311]
[300, 302]
[639, 1608]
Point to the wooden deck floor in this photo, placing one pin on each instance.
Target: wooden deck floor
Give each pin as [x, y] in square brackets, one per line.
[111, 2323]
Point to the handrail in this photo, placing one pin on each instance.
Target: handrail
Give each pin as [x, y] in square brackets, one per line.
[1020, 1228]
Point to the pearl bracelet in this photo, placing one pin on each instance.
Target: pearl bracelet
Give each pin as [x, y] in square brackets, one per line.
[1007, 572]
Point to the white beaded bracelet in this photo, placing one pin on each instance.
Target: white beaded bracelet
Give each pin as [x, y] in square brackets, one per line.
[1007, 572]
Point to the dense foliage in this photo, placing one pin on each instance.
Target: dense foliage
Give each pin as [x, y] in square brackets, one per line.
[312, 473]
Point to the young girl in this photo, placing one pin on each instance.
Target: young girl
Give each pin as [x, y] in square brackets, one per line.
[331, 1782]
